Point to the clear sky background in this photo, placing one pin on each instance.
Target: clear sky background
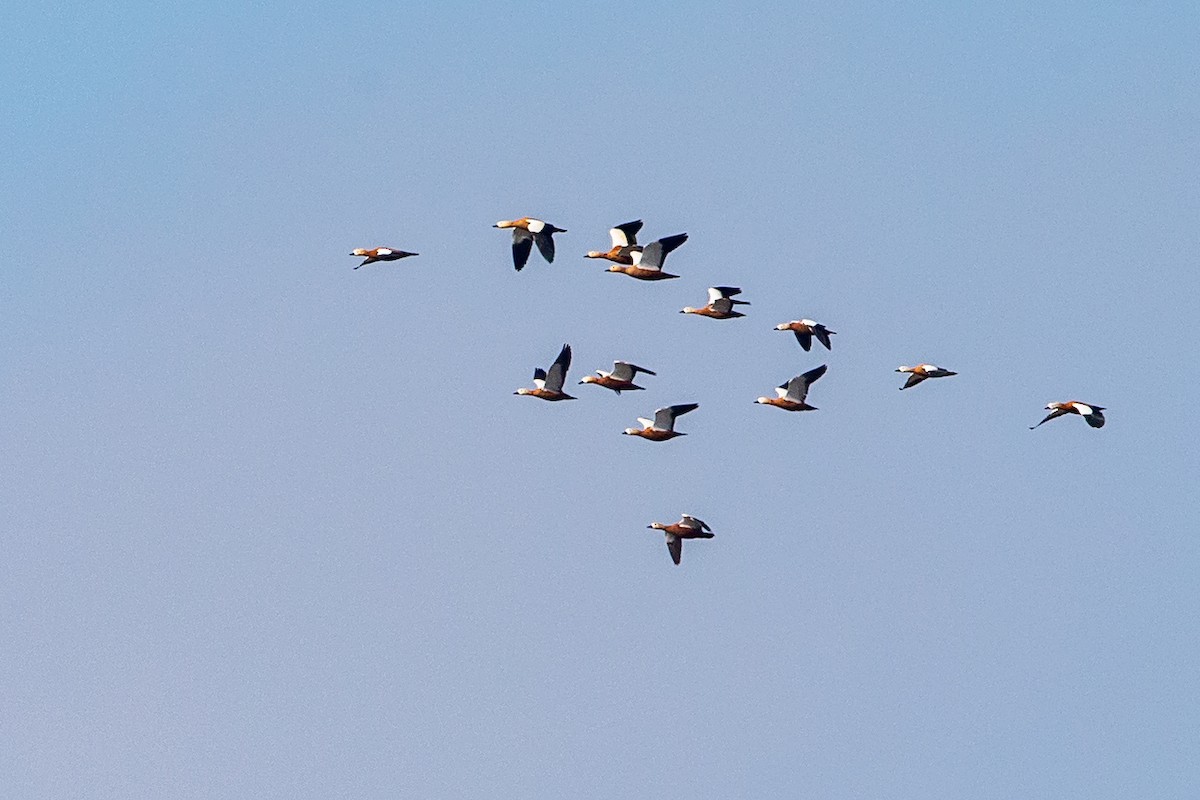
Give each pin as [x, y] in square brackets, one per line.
[276, 528]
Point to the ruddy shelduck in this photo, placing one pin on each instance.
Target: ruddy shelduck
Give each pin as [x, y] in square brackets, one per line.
[547, 384]
[647, 264]
[624, 241]
[805, 330]
[620, 379]
[662, 427]
[527, 232]
[1090, 413]
[792, 395]
[720, 304]
[922, 371]
[380, 254]
[688, 527]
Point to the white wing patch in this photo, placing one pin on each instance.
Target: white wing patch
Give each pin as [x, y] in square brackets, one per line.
[384, 251]
[714, 295]
[539, 383]
[536, 225]
[781, 392]
[646, 423]
[1083, 409]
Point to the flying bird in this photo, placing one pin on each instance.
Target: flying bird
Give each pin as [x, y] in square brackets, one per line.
[1090, 413]
[922, 371]
[548, 383]
[624, 241]
[620, 379]
[662, 427]
[647, 264]
[791, 395]
[720, 303]
[805, 330]
[687, 528]
[380, 254]
[527, 232]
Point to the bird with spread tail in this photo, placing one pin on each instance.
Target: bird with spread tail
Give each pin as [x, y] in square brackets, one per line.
[1090, 413]
[620, 379]
[792, 395]
[662, 427]
[380, 254]
[922, 371]
[720, 304]
[687, 528]
[547, 384]
[526, 232]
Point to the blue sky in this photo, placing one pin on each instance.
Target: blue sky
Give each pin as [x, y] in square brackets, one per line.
[278, 528]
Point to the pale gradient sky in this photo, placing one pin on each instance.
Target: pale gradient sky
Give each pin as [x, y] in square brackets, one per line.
[276, 528]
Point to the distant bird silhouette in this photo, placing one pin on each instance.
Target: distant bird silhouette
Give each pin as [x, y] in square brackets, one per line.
[647, 264]
[720, 303]
[805, 330]
[620, 379]
[380, 254]
[526, 232]
[662, 427]
[792, 395]
[1090, 413]
[548, 383]
[687, 528]
[922, 371]
[624, 241]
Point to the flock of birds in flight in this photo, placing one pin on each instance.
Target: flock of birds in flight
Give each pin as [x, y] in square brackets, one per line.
[645, 263]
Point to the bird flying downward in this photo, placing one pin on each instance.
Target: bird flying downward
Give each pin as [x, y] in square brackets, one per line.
[380, 254]
[1090, 413]
[624, 241]
[720, 303]
[526, 232]
[792, 395]
[620, 379]
[688, 527]
[805, 330]
[547, 384]
[662, 427]
[646, 264]
[922, 371]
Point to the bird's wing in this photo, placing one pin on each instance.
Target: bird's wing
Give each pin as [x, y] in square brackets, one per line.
[625, 234]
[621, 371]
[715, 292]
[675, 545]
[557, 373]
[913, 379]
[625, 371]
[539, 378]
[797, 387]
[1058, 412]
[805, 339]
[1095, 419]
[522, 244]
[689, 521]
[664, 418]
[823, 336]
[651, 256]
[545, 245]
